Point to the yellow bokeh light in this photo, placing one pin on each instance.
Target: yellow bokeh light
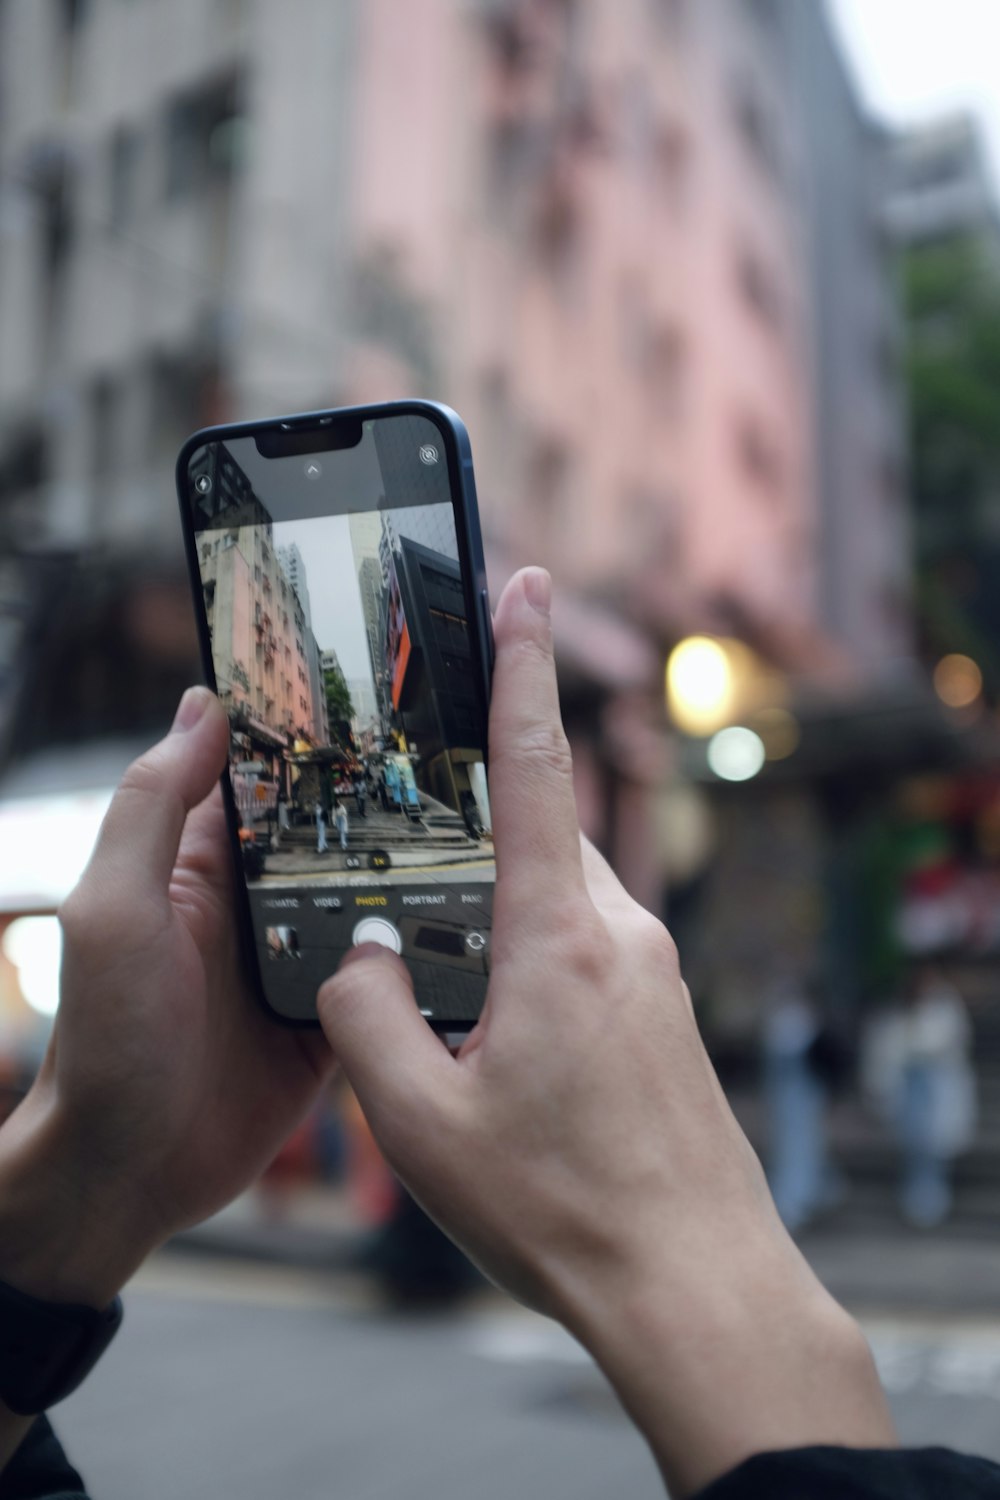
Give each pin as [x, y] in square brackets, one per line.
[958, 682]
[700, 685]
[34, 946]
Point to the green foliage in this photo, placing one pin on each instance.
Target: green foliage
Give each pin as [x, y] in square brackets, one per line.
[340, 709]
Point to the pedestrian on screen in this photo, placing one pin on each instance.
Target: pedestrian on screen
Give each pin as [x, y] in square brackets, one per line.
[340, 817]
[321, 844]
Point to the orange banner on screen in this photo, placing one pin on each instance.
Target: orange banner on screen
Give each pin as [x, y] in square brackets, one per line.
[402, 660]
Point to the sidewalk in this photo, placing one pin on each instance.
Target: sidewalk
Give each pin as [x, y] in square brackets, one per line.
[876, 1267]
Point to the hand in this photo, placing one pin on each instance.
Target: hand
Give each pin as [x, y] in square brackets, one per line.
[579, 1147]
[166, 1089]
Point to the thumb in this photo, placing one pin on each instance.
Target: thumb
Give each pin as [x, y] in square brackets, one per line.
[142, 829]
[391, 1057]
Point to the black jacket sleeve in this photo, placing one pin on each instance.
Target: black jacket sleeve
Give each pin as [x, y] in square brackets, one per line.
[858, 1474]
[40, 1470]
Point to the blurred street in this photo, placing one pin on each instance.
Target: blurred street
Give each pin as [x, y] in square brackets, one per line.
[260, 1382]
[251, 1380]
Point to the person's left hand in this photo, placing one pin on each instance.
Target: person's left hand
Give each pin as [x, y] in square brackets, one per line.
[166, 1089]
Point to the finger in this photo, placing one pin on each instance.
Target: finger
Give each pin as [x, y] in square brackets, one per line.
[535, 829]
[205, 848]
[605, 889]
[391, 1057]
[141, 833]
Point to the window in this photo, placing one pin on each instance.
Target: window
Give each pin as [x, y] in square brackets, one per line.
[102, 430]
[24, 466]
[666, 363]
[124, 174]
[548, 473]
[758, 457]
[176, 408]
[671, 161]
[72, 14]
[891, 481]
[51, 182]
[756, 128]
[766, 12]
[206, 134]
[670, 17]
[886, 358]
[758, 289]
[936, 168]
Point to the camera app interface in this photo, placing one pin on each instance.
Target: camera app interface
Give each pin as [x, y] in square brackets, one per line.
[342, 652]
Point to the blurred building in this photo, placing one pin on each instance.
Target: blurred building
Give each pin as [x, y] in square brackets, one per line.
[634, 245]
[942, 188]
[860, 418]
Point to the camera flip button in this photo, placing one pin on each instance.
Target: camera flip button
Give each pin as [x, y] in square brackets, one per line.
[378, 930]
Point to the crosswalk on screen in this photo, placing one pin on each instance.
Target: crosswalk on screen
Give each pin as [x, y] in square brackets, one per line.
[341, 645]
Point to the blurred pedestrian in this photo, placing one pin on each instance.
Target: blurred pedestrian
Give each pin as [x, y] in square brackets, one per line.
[320, 813]
[920, 1073]
[800, 1172]
[360, 795]
[283, 822]
[340, 818]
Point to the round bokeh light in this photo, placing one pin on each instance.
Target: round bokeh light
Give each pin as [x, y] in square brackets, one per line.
[958, 682]
[736, 754]
[699, 684]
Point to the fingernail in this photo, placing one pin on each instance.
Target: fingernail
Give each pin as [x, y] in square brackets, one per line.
[190, 709]
[538, 590]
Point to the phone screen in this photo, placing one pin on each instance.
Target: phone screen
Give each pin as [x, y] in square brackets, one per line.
[338, 598]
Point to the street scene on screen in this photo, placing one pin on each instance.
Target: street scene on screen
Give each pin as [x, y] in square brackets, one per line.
[342, 655]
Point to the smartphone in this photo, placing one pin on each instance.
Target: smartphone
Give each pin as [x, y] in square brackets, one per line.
[337, 569]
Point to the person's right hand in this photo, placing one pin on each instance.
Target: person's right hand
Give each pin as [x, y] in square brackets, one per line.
[579, 1147]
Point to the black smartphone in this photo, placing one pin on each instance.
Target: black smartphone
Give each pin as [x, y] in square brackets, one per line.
[337, 567]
